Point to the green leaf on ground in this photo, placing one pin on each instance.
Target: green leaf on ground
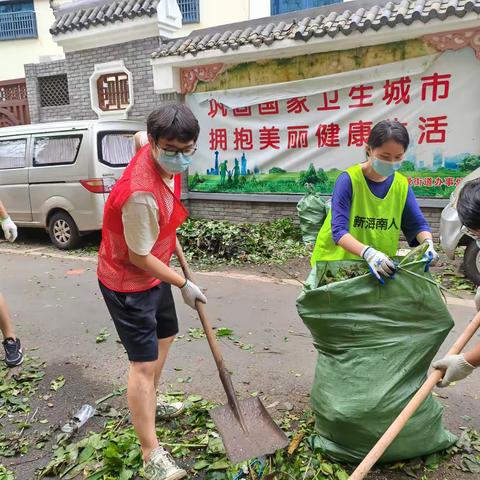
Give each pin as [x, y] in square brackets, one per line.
[102, 336]
[58, 383]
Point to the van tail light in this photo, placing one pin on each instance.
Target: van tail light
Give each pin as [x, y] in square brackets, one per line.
[98, 185]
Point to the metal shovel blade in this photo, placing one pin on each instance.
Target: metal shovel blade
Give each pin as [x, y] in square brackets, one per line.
[261, 437]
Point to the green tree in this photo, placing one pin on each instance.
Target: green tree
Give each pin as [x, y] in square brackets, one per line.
[407, 166]
[470, 163]
[322, 176]
[195, 180]
[309, 176]
[277, 170]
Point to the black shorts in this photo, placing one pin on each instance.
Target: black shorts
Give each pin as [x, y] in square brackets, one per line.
[141, 318]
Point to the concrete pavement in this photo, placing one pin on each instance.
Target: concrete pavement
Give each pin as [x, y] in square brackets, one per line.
[58, 309]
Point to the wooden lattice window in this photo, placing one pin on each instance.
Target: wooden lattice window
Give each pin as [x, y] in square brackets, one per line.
[113, 91]
[12, 91]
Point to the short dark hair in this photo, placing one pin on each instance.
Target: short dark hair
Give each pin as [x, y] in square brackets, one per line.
[387, 130]
[174, 121]
[468, 205]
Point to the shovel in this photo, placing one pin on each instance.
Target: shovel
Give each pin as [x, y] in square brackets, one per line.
[246, 428]
[396, 427]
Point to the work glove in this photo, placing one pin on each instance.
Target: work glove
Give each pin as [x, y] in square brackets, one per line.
[380, 265]
[430, 255]
[455, 367]
[191, 293]
[477, 299]
[9, 229]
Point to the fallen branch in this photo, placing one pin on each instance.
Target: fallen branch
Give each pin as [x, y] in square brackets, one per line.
[297, 439]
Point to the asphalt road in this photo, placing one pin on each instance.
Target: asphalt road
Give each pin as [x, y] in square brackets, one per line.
[57, 309]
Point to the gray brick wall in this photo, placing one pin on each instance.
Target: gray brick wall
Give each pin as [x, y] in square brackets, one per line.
[38, 113]
[79, 66]
[136, 57]
[433, 217]
[254, 212]
[54, 114]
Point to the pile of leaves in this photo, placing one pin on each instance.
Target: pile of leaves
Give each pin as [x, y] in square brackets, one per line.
[210, 241]
[336, 272]
[452, 279]
[115, 453]
[19, 423]
[6, 474]
[464, 456]
[16, 388]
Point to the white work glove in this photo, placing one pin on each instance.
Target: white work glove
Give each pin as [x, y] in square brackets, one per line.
[477, 299]
[9, 229]
[455, 367]
[191, 293]
[430, 254]
[380, 264]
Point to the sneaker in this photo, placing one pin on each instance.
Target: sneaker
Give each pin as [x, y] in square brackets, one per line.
[162, 467]
[167, 411]
[13, 352]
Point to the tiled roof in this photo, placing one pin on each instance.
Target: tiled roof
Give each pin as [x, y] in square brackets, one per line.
[332, 20]
[99, 13]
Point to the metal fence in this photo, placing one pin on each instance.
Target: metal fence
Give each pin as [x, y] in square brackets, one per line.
[190, 10]
[18, 25]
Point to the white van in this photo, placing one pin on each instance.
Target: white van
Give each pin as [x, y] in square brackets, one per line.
[57, 175]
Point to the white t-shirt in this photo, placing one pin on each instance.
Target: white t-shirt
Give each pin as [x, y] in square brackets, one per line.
[140, 220]
[143, 138]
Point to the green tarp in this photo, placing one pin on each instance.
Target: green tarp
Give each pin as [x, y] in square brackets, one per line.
[375, 344]
[312, 211]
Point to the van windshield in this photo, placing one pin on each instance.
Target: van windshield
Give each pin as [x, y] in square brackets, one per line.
[116, 149]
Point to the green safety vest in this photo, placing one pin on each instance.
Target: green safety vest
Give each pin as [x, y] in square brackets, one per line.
[373, 221]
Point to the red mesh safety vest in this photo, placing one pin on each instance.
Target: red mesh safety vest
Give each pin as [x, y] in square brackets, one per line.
[177, 185]
[114, 268]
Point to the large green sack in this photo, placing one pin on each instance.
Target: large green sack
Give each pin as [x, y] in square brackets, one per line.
[375, 344]
[312, 211]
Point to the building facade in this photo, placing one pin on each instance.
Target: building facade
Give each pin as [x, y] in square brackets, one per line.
[122, 59]
[129, 35]
[24, 38]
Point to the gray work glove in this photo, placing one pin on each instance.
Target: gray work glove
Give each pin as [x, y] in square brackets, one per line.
[191, 293]
[380, 264]
[455, 367]
[9, 229]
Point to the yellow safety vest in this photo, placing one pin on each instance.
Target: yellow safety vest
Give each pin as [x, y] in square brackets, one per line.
[373, 221]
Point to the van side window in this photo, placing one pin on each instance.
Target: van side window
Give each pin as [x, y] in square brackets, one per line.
[116, 149]
[56, 150]
[12, 153]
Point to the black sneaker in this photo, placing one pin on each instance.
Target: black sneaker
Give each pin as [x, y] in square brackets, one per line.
[13, 352]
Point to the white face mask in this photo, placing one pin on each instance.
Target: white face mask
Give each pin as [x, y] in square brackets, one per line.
[385, 168]
[173, 164]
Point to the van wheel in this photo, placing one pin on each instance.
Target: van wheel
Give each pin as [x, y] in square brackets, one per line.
[471, 262]
[63, 231]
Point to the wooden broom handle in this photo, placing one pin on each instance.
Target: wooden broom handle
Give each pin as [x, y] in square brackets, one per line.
[395, 428]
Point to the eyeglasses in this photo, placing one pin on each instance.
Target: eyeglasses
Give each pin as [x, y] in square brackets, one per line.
[470, 232]
[188, 152]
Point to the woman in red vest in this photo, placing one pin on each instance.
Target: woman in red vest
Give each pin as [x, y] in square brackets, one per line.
[141, 217]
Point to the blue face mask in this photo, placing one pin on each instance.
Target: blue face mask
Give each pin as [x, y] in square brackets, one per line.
[384, 168]
[176, 164]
